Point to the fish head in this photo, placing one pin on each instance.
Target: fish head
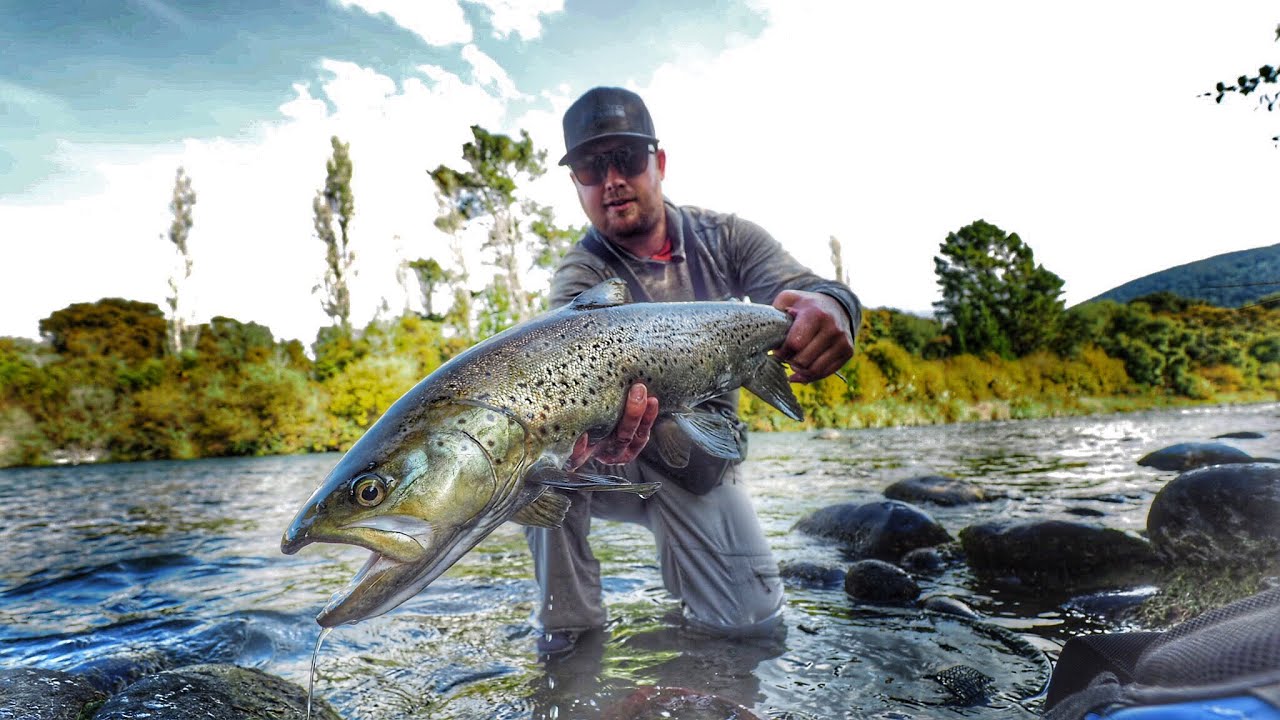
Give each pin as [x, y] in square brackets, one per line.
[418, 504]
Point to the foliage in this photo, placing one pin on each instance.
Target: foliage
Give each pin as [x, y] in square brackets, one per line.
[335, 205]
[430, 275]
[180, 336]
[1246, 85]
[995, 298]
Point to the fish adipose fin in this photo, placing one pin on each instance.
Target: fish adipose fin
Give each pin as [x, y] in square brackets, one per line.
[607, 294]
[587, 482]
[769, 383]
[713, 433]
[547, 510]
[672, 444]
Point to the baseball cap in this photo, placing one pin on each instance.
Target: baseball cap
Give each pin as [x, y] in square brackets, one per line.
[605, 112]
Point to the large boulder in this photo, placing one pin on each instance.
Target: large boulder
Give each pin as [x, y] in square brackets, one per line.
[1220, 515]
[1186, 456]
[876, 581]
[938, 489]
[46, 695]
[883, 530]
[213, 692]
[1057, 554]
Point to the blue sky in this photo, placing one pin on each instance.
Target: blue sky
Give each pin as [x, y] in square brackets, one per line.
[887, 125]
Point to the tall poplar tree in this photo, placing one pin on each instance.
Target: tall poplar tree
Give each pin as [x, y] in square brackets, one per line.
[334, 206]
[179, 335]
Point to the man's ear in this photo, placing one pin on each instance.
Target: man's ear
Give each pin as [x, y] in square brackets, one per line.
[662, 164]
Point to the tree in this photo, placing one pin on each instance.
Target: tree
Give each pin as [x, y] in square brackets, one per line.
[181, 336]
[994, 297]
[487, 194]
[1246, 85]
[430, 275]
[336, 205]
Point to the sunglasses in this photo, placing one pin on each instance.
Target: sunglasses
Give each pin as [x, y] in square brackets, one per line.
[629, 160]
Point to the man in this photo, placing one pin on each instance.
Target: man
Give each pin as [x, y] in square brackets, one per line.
[711, 547]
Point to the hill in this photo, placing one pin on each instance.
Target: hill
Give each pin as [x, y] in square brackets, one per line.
[1228, 280]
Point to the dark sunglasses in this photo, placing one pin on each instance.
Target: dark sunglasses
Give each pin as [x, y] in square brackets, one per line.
[630, 160]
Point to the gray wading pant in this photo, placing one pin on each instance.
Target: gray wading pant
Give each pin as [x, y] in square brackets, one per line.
[711, 549]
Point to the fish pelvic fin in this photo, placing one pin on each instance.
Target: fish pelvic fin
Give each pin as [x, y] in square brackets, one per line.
[587, 482]
[769, 383]
[712, 432]
[672, 444]
[547, 511]
[607, 294]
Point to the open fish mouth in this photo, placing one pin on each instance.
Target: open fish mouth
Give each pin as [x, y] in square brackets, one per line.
[370, 592]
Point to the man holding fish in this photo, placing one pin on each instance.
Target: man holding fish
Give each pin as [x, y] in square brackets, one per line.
[711, 548]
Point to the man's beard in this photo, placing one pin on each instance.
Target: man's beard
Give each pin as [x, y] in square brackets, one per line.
[645, 220]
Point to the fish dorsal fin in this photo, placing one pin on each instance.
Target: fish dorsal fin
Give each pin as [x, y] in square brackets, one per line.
[769, 383]
[711, 432]
[547, 510]
[607, 294]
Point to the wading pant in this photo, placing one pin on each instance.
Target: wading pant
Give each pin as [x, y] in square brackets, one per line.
[711, 549]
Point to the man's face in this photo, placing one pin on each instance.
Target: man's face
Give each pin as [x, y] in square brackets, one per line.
[620, 207]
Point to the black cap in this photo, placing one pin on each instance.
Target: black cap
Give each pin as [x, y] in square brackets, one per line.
[605, 112]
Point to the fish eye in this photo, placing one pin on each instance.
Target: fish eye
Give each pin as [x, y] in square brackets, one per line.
[369, 490]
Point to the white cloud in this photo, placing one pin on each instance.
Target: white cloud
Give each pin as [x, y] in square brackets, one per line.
[438, 22]
[522, 17]
[488, 73]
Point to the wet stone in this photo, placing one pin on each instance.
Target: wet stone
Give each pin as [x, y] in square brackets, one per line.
[1057, 554]
[949, 606]
[924, 560]
[810, 575]
[213, 692]
[1220, 515]
[876, 581]
[1240, 435]
[1187, 456]
[36, 694]
[938, 489]
[884, 530]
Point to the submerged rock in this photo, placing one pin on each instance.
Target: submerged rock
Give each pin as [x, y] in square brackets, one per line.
[876, 581]
[1220, 515]
[949, 606]
[36, 694]
[1186, 456]
[810, 575]
[1240, 435]
[1057, 554]
[676, 702]
[884, 530]
[938, 489]
[213, 692]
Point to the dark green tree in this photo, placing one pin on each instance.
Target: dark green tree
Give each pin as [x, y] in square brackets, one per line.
[995, 298]
[430, 275]
[181, 336]
[1247, 85]
[334, 206]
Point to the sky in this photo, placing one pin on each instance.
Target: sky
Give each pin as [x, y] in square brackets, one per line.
[1083, 127]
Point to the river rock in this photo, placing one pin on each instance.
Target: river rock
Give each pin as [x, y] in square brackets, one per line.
[876, 581]
[213, 692]
[810, 575]
[1220, 515]
[938, 489]
[949, 606]
[1057, 554]
[883, 530]
[1186, 456]
[1240, 435]
[36, 694]
[676, 702]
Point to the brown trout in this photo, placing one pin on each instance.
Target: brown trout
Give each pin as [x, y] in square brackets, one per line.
[482, 439]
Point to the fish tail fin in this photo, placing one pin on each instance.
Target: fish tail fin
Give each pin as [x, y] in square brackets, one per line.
[769, 383]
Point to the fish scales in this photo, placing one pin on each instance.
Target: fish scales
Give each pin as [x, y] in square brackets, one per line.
[480, 440]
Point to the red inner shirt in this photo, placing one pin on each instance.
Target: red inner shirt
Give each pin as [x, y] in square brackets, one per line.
[663, 255]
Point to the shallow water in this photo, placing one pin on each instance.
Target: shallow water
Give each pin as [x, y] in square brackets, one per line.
[119, 570]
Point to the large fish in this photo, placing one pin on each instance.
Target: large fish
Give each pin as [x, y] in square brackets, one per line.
[482, 439]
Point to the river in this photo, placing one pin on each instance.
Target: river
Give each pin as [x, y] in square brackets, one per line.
[114, 569]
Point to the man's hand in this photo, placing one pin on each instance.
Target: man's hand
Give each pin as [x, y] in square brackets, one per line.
[628, 439]
[819, 342]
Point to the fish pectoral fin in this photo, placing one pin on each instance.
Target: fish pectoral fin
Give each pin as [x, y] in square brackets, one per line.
[769, 383]
[711, 432]
[587, 482]
[607, 294]
[671, 442]
[547, 510]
